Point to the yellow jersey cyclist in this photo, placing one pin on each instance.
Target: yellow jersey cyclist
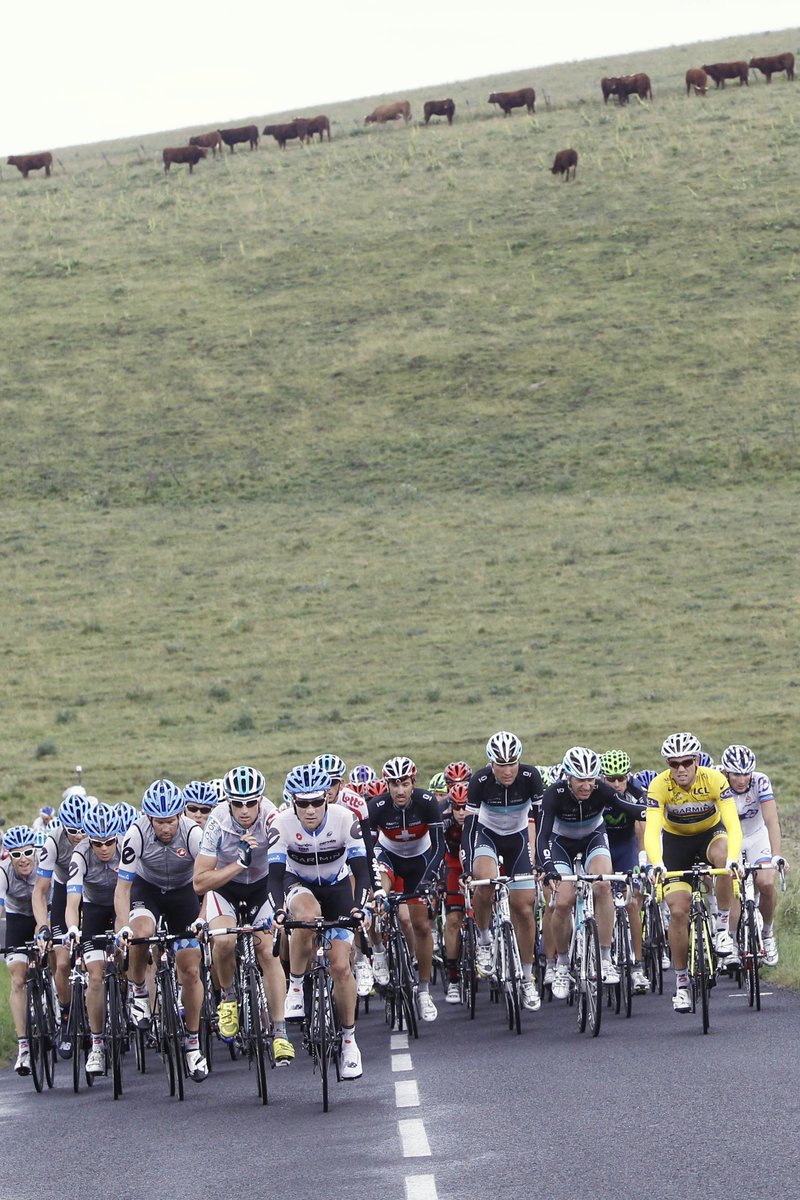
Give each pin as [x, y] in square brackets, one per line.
[231, 868]
[691, 817]
[761, 834]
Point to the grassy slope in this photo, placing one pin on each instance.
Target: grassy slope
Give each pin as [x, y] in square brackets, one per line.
[385, 444]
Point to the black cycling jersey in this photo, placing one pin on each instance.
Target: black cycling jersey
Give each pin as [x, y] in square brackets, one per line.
[618, 824]
[404, 833]
[504, 811]
[565, 815]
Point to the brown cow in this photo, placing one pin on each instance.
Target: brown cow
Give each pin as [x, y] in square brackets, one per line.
[242, 133]
[320, 125]
[719, 72]
[564, 160]
[696, 78]
[298, 128]
[212, 141]
[389, 112]
[774, 64]
[31, 162]
[525, 97]
[440, 108]
[609, 84]
[183, 154]
[634, 85]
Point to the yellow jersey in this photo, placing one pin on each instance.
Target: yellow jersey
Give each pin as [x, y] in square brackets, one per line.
[708, 801]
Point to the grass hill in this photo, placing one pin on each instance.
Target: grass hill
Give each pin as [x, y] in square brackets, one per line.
[381, 445]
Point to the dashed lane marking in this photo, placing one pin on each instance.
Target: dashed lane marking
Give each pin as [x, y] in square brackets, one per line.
[414, 1139]
[401, 1062]
[406, 1094]
[421, 1187]
[399, 1041]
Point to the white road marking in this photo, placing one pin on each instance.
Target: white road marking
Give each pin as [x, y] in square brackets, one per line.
[414, 1139]
[421, 1187]
[399, 1041]
[406, 1094]
[401, 1062]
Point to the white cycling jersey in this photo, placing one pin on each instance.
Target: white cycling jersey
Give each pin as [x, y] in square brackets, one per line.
[318, 856]
[223, 834]
[748, 804]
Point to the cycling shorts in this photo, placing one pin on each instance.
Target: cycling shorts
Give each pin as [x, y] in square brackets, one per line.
[334, 899]
[624, 851]
[95, 919]
[454, 897]
[58, 908]
[405, 874]
[681, 853]
[757, 848]
[512, 850]
[225, 902]
[19, 929]
[178, 906]
[563, 850]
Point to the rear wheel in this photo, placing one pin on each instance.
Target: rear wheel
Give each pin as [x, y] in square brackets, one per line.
[258, 1031]
[34, 1031]
[593, 978]
[113, 1032]
[512, 980]
[50, 1028]
[753, 980]
[76, 1028]
[699, 957]
[622, 932]
[466, 968]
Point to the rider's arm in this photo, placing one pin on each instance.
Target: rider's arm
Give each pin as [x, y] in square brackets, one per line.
[362, 880]
[653, 824]
[41, 892]
[730, 819]
[543, 834]
[208, 876]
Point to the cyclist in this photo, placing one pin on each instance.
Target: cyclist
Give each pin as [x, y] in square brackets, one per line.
[625, 842]
[457, 772]
[126, 815]
[503, 799]
[438, 786]
[761, 834]
[691, 817]
[313, 847]
[231, 867]
[455, 815]
[200, 798]
[90, 902]
[17, 874]
[42, 821]
[340, 793]
[50, 889]
[360, 776]
[155, 880]
[572, 823]
[407, 826]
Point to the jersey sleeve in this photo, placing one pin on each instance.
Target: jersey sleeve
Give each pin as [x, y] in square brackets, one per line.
[730, 819]
[48, 856]
[77, 873]
[212, 836]
[654, 820]
[3, 886]
[131, 853]
[355, 846]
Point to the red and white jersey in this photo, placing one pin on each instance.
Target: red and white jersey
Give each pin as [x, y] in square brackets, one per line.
[351, 799]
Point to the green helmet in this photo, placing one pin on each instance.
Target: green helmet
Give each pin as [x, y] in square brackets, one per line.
[615, 762]
[438, 783]
[545, 774]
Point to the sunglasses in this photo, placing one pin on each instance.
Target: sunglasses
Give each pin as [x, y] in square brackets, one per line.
[680, 762]
[512, 762]
[28, 852]
[245, 803]
[460, 807]
[198, 808]
[98, 842]
[310, 803]
[616, 778]
[72, 832]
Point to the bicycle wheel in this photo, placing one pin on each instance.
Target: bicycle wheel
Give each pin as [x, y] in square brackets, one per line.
[700, 972]
[405, 1010]
[169, 1038]
[623, 958]
[34, 1031]
[258, 1029]
[753, 965]
[319, 1022]
[467, 972]
[593, 978]
[76, 1027]
[654, 945]
[113, 1031]
[50, 1026]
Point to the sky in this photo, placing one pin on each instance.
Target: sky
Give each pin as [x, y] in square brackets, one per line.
[92, 70]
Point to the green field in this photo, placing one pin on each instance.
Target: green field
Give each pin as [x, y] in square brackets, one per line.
[381, 445]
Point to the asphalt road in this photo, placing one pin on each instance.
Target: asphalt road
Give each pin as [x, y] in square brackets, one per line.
[470, 1111]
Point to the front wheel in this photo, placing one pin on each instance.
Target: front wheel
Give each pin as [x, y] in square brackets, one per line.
[593, 978]
[34, 1031]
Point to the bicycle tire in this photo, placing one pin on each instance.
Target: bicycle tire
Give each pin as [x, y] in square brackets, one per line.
[168, 1034]
[701, 968]
[50, 1027]
[258, 1031]
[406, 1010]
[113, 1034]
[75, 1032]
[754, 981]
[468, 976]
[655, 943]
[622, 930]
[35, 1033]
[513, 981]
[593, 978]
[321, 1032]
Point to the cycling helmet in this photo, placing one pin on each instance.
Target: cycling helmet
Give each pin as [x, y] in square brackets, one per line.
[399, 767]
[202, 794]
[72, 809]
[163, 799]
[126, 815]
[739, 760]
[458, 793]
[219, 787]
[308, 780]
[18, 837]
[555, 772]
[615, 762]
[644, 779]
[46, 810]
[437, 783]
[75, 790]
[101, 821]
[504, 748]
[457, 772]
[360, 776]
[704, 760]
[581, 763]
[545, 774]
[678, 744]
[243, 783]
[375, 787]
[331, 764]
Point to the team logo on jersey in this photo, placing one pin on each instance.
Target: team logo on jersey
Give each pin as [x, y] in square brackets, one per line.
[298, 837]
[128, 854]
[181, 853]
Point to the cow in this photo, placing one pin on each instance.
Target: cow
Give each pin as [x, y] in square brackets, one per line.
[243, 133]
[609, 84]
[524, 97]
[719, 72]
[183, 154]
[31, 162]
[212, 141]
[389, 112]
[439, 108]
[774, 64]
[298, 128]
[696, 78]
[563, 162]
[320, 125]
[634, 85]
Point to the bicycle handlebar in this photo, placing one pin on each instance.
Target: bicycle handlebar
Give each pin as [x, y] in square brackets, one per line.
[319, 924]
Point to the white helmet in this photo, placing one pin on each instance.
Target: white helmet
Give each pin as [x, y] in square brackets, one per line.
[739, 760]
[504, 748]
[680, 743]
[582, 763]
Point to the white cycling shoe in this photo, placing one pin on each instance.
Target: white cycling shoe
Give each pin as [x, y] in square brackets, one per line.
[294, 1009]
[453, 994]
[365, 977]
[484, 960]
[608, 971]
[96, 1061]
[682, 1001]
[140, 1011]
[771, 956]
[196, 1065]
[380, 967]
[426, 1008]
[350, 1060]
[23, 1063]
[641, 984]
[530, 995]
[561, 983]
